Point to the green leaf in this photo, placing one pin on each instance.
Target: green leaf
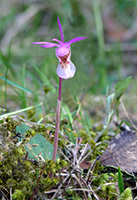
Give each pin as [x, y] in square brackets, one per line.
[120, 181]
[39, 145]
[23, 128]
[121, 86]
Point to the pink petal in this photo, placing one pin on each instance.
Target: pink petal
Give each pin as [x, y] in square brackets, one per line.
[39, 42]
[56, 40]
[75, 40]
[60, 28]
[69, 72]
[46, 44]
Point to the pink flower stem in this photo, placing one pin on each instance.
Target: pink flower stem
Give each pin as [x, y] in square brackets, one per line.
[57, 125]
[60, 87]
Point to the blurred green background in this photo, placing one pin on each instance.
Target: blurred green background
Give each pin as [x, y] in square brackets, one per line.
[105, 57]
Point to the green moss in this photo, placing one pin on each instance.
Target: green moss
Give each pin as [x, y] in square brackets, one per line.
[24, 173]
[18, 195]
[21, 173]
[127, 194]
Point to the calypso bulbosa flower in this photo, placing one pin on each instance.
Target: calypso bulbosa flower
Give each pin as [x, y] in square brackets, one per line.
[66, 69]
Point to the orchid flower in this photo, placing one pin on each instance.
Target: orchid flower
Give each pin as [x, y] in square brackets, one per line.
[66, 69]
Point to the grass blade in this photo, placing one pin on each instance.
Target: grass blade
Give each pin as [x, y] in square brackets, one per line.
[120, 181]
[23, 99]
[14, 84]
[19, 111]
[7, 67]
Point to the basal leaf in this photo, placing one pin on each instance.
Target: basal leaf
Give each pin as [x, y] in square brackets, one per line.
[23, 128]
[39, 145]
